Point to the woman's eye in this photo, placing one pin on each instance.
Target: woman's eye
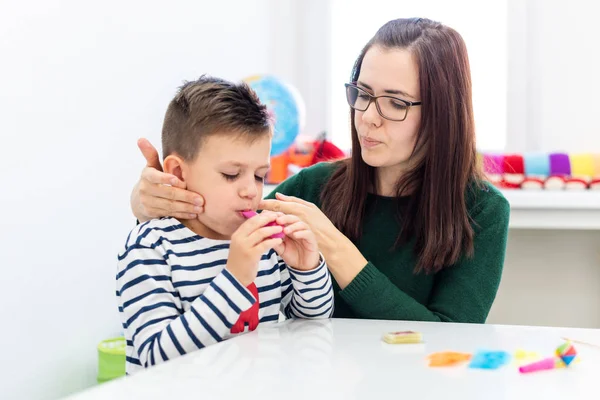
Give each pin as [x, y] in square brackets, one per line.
[399, 106]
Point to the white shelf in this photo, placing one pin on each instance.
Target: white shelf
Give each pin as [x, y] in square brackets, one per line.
[545, 209]
[558, 199]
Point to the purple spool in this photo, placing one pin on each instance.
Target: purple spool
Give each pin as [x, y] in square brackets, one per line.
[560, 165]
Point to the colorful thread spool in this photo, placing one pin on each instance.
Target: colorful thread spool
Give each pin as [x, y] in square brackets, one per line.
[582, 165]
[537, 165]
[560, 164]
[596, 158]
[514, 164]
[514, 171]
[493, 164]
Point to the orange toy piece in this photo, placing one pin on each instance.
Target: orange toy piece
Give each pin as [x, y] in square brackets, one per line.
[303, 154]
[250, 315]
[447, 358]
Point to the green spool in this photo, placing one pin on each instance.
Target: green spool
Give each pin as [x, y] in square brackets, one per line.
[111, 359]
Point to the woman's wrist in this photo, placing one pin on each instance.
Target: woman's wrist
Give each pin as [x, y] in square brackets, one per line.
[344, 259]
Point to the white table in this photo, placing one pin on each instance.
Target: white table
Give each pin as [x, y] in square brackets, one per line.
[346, 359]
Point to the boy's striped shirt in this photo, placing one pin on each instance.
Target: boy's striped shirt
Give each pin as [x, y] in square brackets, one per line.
[175, 295]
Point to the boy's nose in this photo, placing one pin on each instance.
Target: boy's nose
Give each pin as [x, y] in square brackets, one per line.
[249, 191]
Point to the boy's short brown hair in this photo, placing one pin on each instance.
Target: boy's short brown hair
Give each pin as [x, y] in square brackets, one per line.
[207, 106]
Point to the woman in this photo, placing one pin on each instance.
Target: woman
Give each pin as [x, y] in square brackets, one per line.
[408, 226]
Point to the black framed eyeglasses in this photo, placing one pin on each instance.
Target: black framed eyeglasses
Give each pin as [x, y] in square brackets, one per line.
[389, 107]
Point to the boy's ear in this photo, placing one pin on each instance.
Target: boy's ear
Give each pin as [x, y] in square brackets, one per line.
[174, 165]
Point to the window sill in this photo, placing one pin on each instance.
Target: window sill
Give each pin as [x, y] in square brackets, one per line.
[542, 209]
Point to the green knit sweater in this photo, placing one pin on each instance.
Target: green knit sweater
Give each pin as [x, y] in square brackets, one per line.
[388, 288]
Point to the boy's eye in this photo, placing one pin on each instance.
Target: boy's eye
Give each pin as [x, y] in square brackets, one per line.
[259, 178]
[230, 177]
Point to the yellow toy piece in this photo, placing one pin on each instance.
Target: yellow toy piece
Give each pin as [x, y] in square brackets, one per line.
[403, 337]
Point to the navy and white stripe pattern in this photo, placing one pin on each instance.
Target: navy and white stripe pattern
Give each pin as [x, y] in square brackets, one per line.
[175, 295]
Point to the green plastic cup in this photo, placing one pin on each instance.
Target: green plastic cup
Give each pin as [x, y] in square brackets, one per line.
[111, 359]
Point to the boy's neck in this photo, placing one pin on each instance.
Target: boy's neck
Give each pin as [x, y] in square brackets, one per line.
[202, 230]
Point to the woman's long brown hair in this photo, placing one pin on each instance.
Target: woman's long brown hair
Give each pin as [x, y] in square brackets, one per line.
[444, 157]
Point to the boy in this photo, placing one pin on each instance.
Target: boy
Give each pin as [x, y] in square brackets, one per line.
[184, 285]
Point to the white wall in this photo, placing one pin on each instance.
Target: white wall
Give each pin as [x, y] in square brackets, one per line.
[80, 82]
[552, 72]
[550, 278]
[553, 76]
[301, 55]
[353, 25]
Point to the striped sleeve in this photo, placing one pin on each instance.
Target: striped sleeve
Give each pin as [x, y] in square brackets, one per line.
[306, 294]
[152, 314]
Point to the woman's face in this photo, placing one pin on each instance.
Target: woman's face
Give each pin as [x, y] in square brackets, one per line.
[385, 143]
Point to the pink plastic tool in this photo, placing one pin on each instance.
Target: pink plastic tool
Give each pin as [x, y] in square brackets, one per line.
[546, 363]
[565, 354]
[249, 214]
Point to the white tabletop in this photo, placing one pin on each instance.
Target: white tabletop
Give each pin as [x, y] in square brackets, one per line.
[346, 359]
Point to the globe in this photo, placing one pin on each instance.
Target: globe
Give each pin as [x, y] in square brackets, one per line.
[285, 105]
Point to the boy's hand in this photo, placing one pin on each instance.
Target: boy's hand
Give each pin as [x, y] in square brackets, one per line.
[251, 240]
[299, 249]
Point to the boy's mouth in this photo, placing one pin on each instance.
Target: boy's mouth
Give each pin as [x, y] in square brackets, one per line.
[248, 213]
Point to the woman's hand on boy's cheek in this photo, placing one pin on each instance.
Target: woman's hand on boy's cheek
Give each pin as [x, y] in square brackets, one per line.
[159, 194]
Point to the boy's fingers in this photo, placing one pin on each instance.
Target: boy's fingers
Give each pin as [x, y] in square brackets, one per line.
[303, 234]
[268, 244]
[259, 220]
[280, 248]
[261, 234]
[308, 237]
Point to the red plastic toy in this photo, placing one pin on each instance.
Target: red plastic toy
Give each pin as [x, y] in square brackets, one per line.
[249, 316]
